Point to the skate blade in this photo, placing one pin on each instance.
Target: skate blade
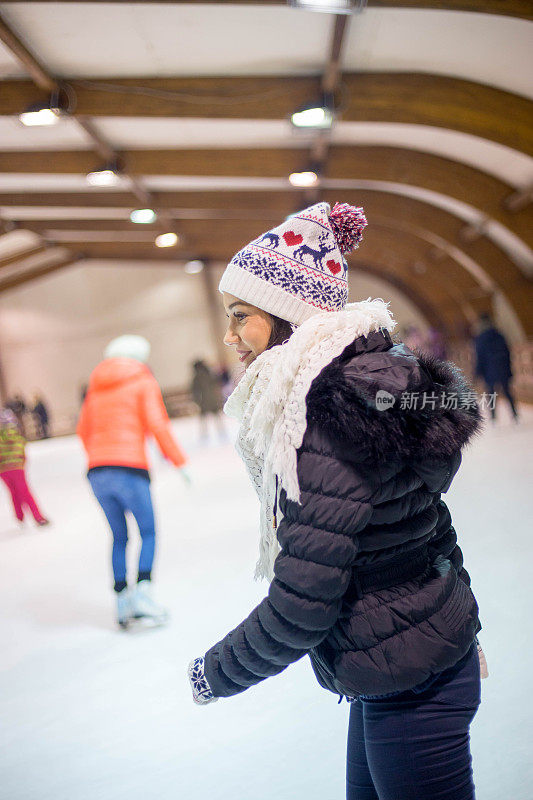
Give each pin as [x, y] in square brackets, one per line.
[145, 622]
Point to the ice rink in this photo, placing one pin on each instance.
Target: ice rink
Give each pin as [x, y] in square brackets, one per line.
[92, 713]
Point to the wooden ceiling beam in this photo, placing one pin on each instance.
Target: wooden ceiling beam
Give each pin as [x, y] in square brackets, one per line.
[38, 272]
[443, 102]
[509, 8]
[451, 312]
[25, 57]
[279, 203]
[421, 218]
[193, 232]
[329, 86]
[412, 98]
[388, 164]
[46, 82]
[270, 208]
[22, 255]
[449, 272]
[407, 249]
[267, 208]
[428, 307]
[494, 262]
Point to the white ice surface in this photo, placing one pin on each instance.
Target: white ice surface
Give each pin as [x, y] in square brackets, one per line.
[91, 713]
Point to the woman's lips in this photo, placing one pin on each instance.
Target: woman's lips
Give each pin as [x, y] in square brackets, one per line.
[244, 356]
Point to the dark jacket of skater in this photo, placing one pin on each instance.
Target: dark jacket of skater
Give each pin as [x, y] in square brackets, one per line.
[373, 601]
[493, 358]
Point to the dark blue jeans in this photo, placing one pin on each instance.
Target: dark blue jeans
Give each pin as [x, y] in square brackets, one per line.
[119, 491]
[416, 745]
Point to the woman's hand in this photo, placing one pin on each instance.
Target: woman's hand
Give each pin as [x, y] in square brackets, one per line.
[483, 668]
[201, 691]
[185, 475]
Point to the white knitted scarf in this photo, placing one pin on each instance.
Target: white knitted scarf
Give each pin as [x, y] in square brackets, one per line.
[269, 402]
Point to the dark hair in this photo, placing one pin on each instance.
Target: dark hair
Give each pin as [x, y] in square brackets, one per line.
[281, 331]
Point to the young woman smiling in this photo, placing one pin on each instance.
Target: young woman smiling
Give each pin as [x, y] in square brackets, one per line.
[250, 330]
[365, 573]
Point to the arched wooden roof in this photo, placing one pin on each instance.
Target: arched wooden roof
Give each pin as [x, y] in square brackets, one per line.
[450, 218]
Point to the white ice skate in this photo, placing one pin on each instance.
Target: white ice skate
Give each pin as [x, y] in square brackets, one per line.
[124, 608]
[144, 609]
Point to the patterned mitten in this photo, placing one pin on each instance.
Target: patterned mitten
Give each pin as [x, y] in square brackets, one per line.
[201, 691]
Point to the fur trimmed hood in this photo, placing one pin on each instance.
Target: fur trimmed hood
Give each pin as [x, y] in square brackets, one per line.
[342, 401]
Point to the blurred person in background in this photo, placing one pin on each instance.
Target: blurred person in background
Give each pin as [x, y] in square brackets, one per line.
[493, 362]
[435, 344]
[12, 466]
[123, 406]
[206, 392]
[41, 417]
[414, 338]
[18, 406]
[226, 382]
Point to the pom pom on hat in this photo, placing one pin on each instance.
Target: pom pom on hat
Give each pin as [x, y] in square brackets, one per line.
[347, 223]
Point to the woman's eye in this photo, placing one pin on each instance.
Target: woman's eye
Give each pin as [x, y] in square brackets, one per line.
[240, 317]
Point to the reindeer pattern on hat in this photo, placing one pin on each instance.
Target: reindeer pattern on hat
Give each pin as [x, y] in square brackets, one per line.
[298, 262]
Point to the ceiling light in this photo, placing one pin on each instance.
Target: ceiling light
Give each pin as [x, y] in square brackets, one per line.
[329, 6]
[166, 240]
[106, 176]
[40, 114]
[143, 216]
[193, 267]
[303, 179]
[317, 116]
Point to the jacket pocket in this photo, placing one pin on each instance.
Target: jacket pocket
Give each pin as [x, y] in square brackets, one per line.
[460, 607]
[323, 672]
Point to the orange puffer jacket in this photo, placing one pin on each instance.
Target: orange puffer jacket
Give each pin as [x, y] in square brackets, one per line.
[122, 407]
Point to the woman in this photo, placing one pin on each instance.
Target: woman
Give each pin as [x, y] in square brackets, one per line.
[123, 406]
[350, 441]
[12, 467]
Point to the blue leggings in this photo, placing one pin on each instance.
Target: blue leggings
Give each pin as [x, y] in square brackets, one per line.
[416, 745]
[118, 491]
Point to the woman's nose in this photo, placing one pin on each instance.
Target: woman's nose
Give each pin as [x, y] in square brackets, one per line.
[230, 338]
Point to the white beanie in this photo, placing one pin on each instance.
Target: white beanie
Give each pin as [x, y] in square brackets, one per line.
[298, 268]
[129, 346]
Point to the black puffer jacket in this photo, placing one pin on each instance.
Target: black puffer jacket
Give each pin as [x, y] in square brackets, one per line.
[370, 580]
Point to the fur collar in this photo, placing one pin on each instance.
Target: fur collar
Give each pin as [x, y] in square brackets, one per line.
[341, 400]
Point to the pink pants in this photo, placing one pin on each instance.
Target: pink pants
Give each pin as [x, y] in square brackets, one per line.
[15, 480]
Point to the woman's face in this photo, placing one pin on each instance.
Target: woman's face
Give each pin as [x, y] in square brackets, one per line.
[249, 328]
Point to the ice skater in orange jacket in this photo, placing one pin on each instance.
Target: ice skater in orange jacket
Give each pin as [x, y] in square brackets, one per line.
[123, 406]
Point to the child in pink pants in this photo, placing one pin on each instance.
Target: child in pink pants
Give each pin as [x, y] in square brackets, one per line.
[12, 461]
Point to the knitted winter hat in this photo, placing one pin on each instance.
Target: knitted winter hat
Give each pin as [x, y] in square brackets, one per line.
[128, 346]
[298, 268]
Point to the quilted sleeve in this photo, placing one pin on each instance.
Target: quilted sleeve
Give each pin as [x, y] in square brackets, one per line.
[319, 541]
